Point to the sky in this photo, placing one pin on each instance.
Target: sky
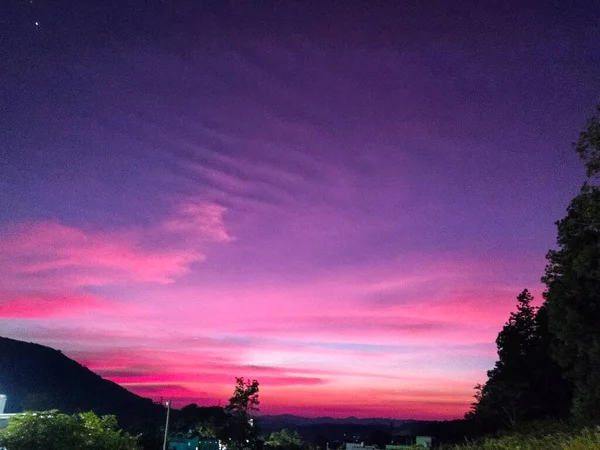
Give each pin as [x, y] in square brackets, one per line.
[341, 201]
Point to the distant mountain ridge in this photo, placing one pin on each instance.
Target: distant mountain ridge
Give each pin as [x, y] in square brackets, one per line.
[35, 377]
[379, 431]
[293, 420]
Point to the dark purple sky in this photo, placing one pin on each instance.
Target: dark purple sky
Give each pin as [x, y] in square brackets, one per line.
[333, 199]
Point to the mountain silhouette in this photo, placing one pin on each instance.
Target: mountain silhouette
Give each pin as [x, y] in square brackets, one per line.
[39, 378]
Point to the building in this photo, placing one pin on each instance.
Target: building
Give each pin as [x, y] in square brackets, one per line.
[424, 441]
[420, 442]
[361, 446]
[3, 417]
[182, 442]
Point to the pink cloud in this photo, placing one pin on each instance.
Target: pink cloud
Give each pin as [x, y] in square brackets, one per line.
[373, 400]
[202, 220]
[50, 253]
[208, 378]
[319, 378]
[179, 395]
[44, 306]
[312, 343]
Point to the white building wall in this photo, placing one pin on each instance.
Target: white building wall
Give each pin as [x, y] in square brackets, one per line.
[361, 446]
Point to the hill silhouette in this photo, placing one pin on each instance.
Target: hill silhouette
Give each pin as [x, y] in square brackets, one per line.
[37, 378]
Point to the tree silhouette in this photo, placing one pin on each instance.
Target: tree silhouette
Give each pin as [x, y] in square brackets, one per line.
[525, 383]
[573, 300]
[572, 278]
[241, 429]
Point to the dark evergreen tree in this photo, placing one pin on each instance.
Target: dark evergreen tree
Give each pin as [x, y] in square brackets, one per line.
[573, 300]
[588, 146]
[572, 279]
[525, 383]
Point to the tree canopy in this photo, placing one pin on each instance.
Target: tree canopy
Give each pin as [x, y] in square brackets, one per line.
[573, 300]
[241, 429]
[525, 383]
[572, 279]
[51, 430]
[285, 439]
[588, 146]
[549, 358]
[206, 421]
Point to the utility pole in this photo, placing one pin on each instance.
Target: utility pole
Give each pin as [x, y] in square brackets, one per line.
[167, 424]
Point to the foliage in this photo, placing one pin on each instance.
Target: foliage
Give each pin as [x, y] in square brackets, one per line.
[211, 428]
[51, 430]
[245, 398]
[207, 422]
[586, 440]
[525, 383]
[285, 439]
[566, 327]
[588, 146]
[240, 429]
[556, 437]
[572, 278]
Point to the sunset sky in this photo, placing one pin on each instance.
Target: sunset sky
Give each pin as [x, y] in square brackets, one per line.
[340, 201]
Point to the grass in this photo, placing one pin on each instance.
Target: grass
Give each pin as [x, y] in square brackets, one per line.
[545, 437]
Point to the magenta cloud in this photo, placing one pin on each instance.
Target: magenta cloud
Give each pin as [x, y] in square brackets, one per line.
[54, 254]
[47, 306]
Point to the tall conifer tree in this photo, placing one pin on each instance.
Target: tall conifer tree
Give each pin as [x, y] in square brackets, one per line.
[572, 278]
[525, 383]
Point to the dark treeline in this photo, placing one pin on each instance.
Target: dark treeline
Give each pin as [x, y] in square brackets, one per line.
[548, 364]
